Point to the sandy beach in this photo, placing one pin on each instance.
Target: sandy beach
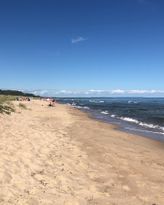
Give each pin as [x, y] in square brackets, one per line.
[60, 156]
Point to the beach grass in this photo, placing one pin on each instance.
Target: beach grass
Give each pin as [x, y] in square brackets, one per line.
[6, 105]
[6, 98]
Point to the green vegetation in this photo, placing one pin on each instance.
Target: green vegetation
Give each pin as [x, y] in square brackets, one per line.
[6, 109]
[6, 105]
[16, 93]
[6, 96]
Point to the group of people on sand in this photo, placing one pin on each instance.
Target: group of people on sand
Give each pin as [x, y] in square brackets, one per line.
[23, 99]
[51, 102]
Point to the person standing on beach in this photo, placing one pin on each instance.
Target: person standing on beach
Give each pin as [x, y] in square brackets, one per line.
[53, 102]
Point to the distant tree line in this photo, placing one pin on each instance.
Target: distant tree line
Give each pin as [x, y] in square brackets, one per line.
[16, 93]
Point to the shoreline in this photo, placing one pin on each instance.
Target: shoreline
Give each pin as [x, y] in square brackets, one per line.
[59, 155]
[112, 126]
[122, 127]
[133, 115]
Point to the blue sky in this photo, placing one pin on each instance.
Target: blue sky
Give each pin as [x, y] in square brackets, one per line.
[115, 46]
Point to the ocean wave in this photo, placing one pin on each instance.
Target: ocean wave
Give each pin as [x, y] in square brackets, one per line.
[77, 106]
[128, 119]
[143, 124]
[105, 112]
[140, 130]
[96, 101]
[86, 108]
[80, 107]
[151, 126]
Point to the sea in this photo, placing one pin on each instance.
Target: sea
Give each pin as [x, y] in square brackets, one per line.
[141, 116]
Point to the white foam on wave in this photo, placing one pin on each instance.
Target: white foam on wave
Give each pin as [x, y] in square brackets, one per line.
[96, 101]
[143, 124]
[128, 119]
[113, 116]
[149, 131]
[86, 108]
[105, 112]
[80, 107]
[151, 126]
[77, 106]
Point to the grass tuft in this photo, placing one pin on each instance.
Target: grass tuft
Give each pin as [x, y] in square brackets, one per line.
[5, 104]
[6, 109]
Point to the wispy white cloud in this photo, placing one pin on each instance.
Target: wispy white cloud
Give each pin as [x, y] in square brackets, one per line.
[98, 93]
[78, 39]
[118, 91]
[145, 91]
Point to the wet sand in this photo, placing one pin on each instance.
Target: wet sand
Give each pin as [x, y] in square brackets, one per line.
[59, 156]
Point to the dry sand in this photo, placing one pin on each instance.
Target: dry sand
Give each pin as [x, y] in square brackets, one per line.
[59, 156]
